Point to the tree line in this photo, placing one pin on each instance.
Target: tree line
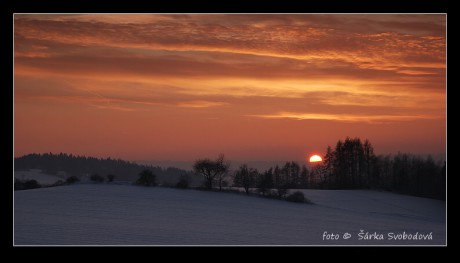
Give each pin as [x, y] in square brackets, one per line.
[352, 164]
[274, 183]
[75, 165]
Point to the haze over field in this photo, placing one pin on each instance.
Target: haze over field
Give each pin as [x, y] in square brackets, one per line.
[255, 87]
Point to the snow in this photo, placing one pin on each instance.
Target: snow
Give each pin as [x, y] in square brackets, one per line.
[114, 214]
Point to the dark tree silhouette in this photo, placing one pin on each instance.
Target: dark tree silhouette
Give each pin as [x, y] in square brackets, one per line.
[245, 177]
[297, 197]
[353, 165]
[368, 157]
[110, 178]
[97, 178]
[224, 167]
[265, 181]
[212, 170]
[304, 178]
[291, 174]
[184, 182]
[58, 183]
[24, 185]
[349, 166]
[280, 182]
[146, 178]
[441, 183]
[328, 161]
[18, 184]
[31, 184]
[72, 179]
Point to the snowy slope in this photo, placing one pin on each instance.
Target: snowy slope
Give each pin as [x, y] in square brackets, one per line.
[100, 214]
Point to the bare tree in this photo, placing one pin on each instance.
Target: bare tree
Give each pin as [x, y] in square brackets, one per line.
[223, 167]
[212, 170]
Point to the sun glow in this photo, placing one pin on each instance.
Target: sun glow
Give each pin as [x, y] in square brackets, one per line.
[315, 158]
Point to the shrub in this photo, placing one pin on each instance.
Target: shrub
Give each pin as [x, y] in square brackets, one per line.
[23, 185]
[97, 178]
[281, 192]
[146, 178]
[58, 183]
[31, 184]
[110, 177]
[272, 193]
[72, 179]
[18, 184]
[297, 197]
[183, 182]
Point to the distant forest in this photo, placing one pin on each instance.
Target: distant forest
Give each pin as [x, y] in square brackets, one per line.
[352, 164]
[81, 166]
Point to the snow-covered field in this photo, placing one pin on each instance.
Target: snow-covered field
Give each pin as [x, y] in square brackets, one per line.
[103, 214]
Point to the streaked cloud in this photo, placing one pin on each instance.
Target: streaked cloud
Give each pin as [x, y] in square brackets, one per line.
[200, 104]
[160, 71]
[300, 38]
[366, 118]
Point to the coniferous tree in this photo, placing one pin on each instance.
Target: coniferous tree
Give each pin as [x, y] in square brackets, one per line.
[265, 181]
[246, 177]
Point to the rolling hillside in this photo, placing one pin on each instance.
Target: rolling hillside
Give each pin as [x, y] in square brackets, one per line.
[101, 214]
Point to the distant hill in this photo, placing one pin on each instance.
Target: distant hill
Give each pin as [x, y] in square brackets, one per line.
[82, 166]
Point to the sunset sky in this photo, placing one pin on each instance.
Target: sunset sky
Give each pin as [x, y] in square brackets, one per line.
[252, 86]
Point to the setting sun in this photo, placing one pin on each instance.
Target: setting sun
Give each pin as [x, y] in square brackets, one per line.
[315, 158]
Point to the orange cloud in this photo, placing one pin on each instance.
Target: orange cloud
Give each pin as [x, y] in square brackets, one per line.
[299, 39]
[200, 104]
[162, 78]
[369, 118]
